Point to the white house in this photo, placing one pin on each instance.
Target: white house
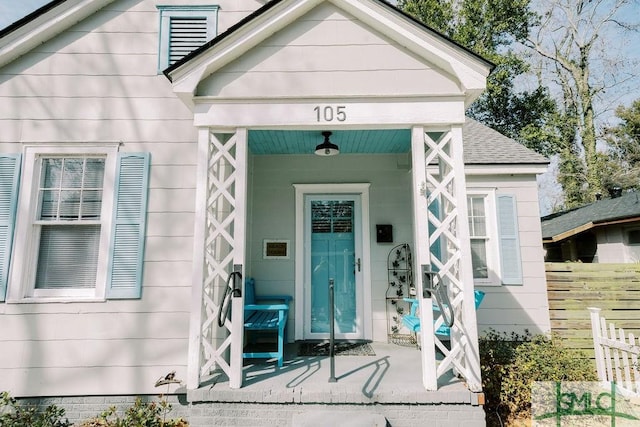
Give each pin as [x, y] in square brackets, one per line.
[135, 179]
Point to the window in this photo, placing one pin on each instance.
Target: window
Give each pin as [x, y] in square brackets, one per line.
[68, 220]
[83, 235]
[478, 235]
[633, 237]
[183, 29]
[494, 239]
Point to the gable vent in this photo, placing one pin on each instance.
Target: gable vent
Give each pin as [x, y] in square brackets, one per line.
[187, 34]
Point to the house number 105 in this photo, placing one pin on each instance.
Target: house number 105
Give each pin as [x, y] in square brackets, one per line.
[330, 113]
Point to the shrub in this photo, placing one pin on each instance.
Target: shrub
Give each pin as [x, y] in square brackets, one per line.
[150, 414]
[541, 359]
[497, 352]
[13, 414]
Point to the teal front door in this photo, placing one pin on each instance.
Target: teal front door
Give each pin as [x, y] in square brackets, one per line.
[333, 254]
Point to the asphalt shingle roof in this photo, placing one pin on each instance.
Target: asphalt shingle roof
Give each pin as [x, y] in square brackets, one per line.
[485, 146]
[625, 206]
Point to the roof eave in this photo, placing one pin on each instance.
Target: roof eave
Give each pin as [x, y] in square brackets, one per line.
[44, 24]
[588, 226]
[505, 168]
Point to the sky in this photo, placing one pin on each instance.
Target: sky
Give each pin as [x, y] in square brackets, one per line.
[13, 10]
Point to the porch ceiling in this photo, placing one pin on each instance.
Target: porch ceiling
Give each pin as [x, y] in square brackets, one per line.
[381, 141]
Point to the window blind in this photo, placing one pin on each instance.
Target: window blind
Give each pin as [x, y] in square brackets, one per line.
[68, 256]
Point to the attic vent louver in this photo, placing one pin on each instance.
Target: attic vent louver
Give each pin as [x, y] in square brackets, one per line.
[183, 29]
[187, 34]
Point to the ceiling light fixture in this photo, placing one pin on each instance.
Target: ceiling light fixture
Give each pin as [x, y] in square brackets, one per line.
[327, 148]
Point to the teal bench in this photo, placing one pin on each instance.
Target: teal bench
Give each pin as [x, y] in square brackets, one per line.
[412, 322]
[265, 317]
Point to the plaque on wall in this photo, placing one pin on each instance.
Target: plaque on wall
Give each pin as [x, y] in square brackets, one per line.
[275, 249]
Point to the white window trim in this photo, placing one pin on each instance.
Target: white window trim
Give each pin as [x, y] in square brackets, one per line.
[23, 268]
[210, 12]
[493, 241]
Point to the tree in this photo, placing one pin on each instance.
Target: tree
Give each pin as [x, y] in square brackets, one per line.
[573, 39]
[622, 164]
[490, 29]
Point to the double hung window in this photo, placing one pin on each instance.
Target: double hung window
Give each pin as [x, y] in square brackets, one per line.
[478, 233]
[77, 221]
[68, 223]
[494, 239]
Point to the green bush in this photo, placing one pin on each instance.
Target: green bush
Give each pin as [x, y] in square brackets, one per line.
[510, 363]
[141, 414]
[497, 352]
[541, 359]
[13, 414]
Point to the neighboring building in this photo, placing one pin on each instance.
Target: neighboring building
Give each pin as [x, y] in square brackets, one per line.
[605, 231]
[135, 178]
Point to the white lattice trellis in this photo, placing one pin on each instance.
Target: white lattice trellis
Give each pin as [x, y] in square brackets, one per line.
[448, 255]
[224, 192]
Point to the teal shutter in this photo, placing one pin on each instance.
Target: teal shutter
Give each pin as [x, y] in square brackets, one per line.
[510, 259]
[124, 277]
[9, 178]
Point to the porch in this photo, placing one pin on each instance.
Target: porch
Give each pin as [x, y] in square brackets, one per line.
[259, 181]
[387, 385]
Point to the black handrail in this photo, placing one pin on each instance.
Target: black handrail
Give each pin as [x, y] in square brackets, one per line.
[230, 291]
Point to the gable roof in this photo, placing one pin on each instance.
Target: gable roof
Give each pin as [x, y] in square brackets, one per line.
[273, 3]
[557, 227]
[485, 146]
[467, 68]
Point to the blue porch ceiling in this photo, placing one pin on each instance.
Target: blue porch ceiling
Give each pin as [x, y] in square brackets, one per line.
[349, 141]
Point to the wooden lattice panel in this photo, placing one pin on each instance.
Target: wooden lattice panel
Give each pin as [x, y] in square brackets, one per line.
[446, 215]
[219, 249]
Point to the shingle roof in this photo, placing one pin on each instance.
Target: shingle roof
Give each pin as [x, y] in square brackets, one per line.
[601, 211]
[485, 146]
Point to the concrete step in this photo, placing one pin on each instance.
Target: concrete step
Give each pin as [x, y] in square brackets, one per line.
[338, 418]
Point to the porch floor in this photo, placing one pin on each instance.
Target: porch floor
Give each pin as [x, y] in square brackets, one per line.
[392, 376]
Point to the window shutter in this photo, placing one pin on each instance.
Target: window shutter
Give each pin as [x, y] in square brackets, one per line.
[186, 35]
[126, 254]
[9, 178]
[511, 263]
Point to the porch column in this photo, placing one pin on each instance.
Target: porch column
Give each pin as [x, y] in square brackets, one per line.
[467, 335]
[443, 245]
[422, 254]
[219, 245]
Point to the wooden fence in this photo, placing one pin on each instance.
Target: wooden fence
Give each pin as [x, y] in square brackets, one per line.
[572, 287]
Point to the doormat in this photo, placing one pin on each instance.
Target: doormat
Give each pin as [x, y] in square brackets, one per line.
[341, 349]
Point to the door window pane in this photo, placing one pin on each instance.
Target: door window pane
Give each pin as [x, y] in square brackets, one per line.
[332, 257]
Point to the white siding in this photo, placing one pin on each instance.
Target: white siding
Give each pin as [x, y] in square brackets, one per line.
[516, 308]
[327, 52]
[613, 246]
[98, 82]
